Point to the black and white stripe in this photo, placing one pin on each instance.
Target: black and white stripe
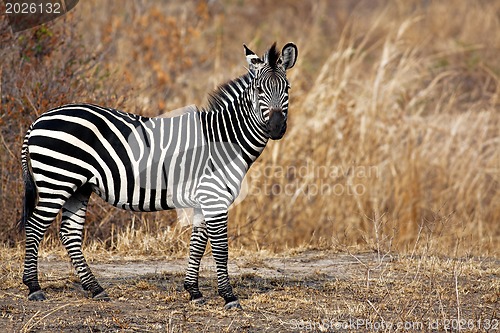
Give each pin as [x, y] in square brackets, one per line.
[197, 159]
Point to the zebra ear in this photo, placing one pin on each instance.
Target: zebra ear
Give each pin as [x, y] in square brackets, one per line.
[254, 62]
[289, 55]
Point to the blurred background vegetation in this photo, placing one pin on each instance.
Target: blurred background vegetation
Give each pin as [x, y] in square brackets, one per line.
[394, 134]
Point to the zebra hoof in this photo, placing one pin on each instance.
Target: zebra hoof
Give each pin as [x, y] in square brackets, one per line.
[37, 296]
[234, 305]
[102, 296]
[198, 301]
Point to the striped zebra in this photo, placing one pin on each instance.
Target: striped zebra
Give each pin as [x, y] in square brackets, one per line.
[197, 159]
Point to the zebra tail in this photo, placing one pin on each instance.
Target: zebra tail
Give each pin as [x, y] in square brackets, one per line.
[30, 192]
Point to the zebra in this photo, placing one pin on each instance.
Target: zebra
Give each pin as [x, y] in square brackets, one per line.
[196, 159]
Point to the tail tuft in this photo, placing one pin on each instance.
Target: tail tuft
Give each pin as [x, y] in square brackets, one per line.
[29, 200]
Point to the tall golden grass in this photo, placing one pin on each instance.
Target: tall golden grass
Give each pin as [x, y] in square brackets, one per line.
[394, 130]
[404, 115]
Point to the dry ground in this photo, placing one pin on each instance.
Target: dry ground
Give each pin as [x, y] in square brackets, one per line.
[305, 291]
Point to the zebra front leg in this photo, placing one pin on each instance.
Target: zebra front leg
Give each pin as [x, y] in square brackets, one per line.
[73, 219]
[197, 247]
[217, 233]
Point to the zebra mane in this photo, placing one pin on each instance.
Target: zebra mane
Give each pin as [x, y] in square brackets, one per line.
[225, 92]
[272, 56]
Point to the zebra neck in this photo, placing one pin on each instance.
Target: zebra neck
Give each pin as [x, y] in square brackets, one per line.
[229, 118]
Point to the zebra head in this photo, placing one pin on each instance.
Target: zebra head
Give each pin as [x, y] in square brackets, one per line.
[269, 86]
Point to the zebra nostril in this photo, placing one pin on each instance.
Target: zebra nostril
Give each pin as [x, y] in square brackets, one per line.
[277, 111]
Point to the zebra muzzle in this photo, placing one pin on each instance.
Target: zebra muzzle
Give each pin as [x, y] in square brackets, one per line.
[277, 124]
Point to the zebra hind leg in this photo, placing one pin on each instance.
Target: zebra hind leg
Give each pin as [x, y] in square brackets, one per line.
[73, 219]
[43, 214]
[197, 247]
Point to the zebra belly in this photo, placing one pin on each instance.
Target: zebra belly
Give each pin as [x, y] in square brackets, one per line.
[150, 199]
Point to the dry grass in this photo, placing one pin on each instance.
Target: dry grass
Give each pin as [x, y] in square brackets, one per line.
[401, 125]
